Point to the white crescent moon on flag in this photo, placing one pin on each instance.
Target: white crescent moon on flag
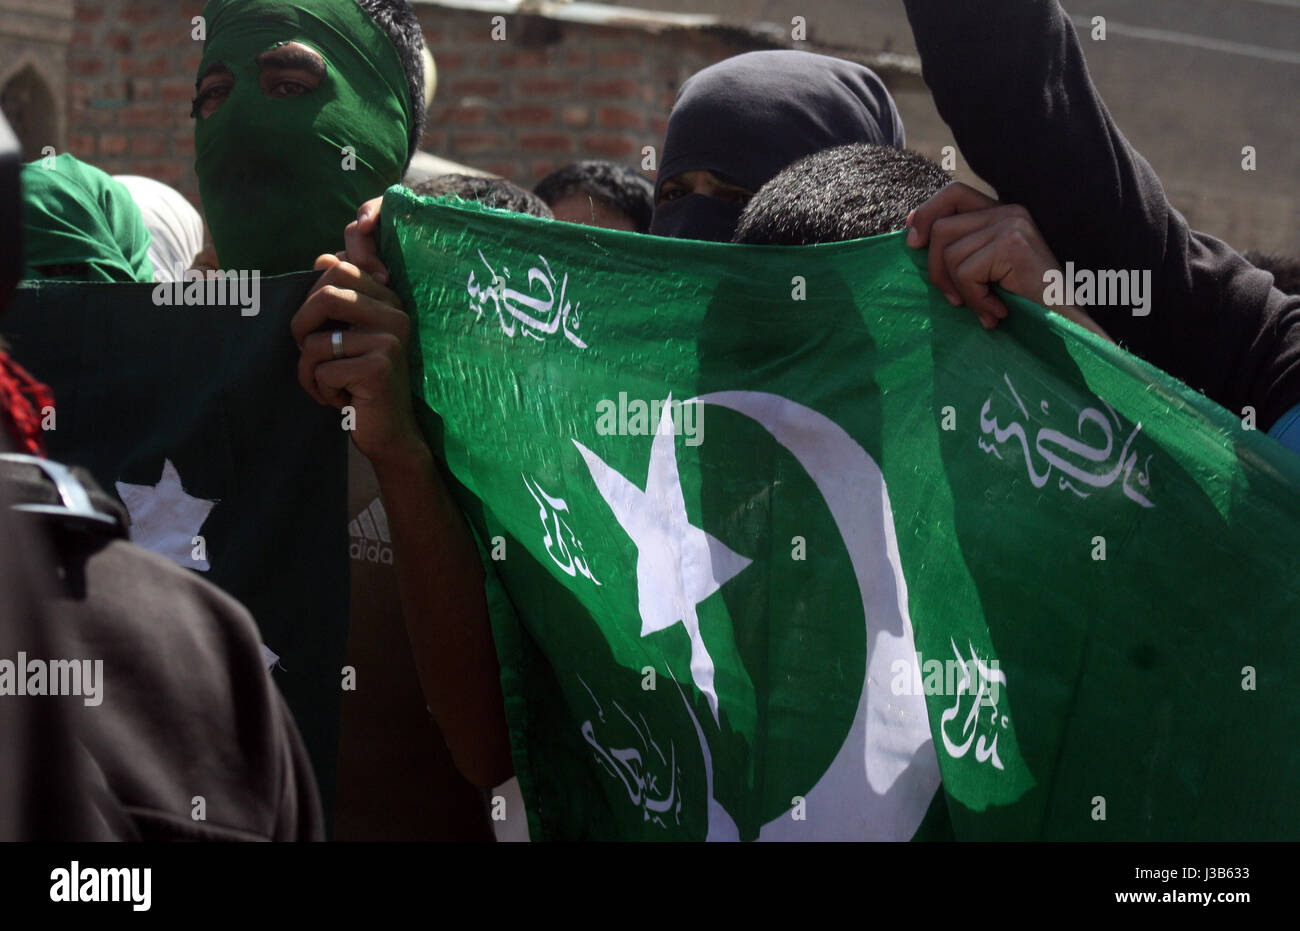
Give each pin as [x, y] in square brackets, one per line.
[882, 781]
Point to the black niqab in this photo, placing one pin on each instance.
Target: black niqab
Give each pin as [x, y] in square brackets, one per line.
[746, 118]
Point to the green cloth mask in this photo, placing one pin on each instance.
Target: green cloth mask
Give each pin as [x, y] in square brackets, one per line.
[75, 214]
[274, 179]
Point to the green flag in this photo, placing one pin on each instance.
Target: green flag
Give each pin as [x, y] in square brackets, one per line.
[192, 414]
[792, 549]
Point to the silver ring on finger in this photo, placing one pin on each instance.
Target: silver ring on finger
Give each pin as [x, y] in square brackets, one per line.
[336, 343]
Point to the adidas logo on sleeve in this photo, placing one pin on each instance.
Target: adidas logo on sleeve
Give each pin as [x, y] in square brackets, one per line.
[368, 532]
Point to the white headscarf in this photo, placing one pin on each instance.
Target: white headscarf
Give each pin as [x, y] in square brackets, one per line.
[173, 223]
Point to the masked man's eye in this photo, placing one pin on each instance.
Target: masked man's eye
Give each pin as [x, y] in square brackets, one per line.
[289, 88]
[209, 98]
[290, 70]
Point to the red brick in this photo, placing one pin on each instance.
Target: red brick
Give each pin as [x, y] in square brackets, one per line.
[619, 118]
[502, 169]
[610, 146]
[575, 116]
[528, 116]
[576, 59]
[119, 42]
[529, 59]
[622, 88]
[98, 118]
[88, 12]
[79, 91]
[544, 87]
[659, 126]
[141, 89]
[183, 143]
[474, 87]
[168, 171]
[623, 58]
[86, 65]
[674, 71]
[145, 66]
[545, 142]
[177, 89]
[149, 116]
[434, 140]
[112, 144]
[471, 143]
[136, 12]
[466, 116]
[81, 145]
[447, 62]
[150, 144]
[165, 36]
[477, 29]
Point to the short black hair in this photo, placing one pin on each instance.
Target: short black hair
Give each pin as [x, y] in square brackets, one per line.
[490, 192]
[1285, 269]
[616, 186]
[398, 20]
[847, 192]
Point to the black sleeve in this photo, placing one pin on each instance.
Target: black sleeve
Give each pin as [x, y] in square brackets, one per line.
[1009, 78]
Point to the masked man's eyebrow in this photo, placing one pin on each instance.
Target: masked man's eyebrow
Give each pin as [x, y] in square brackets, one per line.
[216, 67]
[292, 56]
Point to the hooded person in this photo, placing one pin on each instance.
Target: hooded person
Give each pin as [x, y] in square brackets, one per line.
[303, 111]
[80, 224]
[737, 123]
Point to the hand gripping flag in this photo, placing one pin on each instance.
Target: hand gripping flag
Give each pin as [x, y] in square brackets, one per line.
[791, 549]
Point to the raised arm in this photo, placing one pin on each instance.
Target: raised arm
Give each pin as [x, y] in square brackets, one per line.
[1009, 78]
[438, 566]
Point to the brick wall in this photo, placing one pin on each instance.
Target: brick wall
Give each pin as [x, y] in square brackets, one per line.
[548, 94]
[554, 92]
[131, 67]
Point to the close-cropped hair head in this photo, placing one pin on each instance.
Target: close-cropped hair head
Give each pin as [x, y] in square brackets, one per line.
[848, 192]
[620, 188]
[491, 192]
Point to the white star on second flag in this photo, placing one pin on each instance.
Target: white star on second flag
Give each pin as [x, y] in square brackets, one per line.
[165, 519]
[678, 565]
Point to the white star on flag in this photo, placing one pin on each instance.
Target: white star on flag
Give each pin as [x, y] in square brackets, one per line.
[678, 565]
[165, 519]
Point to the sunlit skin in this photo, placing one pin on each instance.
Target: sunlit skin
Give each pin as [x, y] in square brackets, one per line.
[591, 211]
[702, 182]
[288, 70]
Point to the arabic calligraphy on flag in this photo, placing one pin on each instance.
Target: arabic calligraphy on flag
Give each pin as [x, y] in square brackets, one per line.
[731, 636]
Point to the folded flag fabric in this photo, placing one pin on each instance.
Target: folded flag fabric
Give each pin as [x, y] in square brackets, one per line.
[192, 413]
[790, 548]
